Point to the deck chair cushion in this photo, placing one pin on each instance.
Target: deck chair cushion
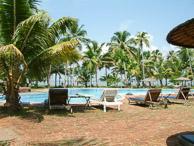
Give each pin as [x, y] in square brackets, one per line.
[137, 98]
[184, 90]
[189, 138]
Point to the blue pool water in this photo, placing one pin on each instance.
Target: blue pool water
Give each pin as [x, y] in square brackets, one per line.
[40, 97]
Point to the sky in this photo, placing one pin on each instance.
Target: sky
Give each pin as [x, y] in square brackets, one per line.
[102, 18]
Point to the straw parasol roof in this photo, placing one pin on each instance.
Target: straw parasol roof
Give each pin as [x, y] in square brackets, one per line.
[182, 35]
[79, 79]
[182, 79]
[149, 80]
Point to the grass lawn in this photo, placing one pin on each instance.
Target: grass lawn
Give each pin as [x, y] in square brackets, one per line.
[134, 125]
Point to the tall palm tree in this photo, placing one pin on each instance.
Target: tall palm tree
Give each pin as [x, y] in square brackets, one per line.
[35, 39]
[107, 62]
[75, 33]
[185, 55]
[141, 39]
[122, 41]
[93, 58]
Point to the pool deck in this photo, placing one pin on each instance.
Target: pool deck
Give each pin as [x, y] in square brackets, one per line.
[133, 125]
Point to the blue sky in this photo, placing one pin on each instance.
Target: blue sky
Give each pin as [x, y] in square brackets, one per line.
[102, 18]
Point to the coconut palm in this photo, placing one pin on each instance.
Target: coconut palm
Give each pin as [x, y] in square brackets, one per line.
[122, 41]
[12, 12]
[141, 39]
[75, 33]
[93, 59]
[107, 62]
[34, 41]
[185, 55]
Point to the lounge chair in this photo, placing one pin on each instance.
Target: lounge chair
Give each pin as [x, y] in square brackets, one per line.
[58, 99]
[151, 98]
[186, 140]
[108, 97]
[181, 97]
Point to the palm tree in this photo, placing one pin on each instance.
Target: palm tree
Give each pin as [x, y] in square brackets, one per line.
[141, 39]
[12, 12]
[83, 75]
[107, 62]
[93, 59]
[185, 55]
[75, 33]
[35, 40]
[122, 41]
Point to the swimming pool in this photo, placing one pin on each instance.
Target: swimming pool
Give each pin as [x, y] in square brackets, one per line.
[95, 92]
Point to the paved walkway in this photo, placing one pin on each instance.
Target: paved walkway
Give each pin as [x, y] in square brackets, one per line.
[6, 135]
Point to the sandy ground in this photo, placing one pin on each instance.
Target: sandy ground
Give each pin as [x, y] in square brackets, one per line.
[134, 125]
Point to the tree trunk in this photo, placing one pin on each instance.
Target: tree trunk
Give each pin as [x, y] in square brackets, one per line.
[37, 83]
[126, 83]
[55, 79]
[73, 77]
[59, 79]
[65, 84]
[161, 83]
[190, 65]
[48, 77]
[141, 44]
[12, 99]
[96, 77]
[90, 80]
[137, 82]
[106, 74]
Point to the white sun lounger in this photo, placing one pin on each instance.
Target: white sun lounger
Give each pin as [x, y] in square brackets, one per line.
[108, 97]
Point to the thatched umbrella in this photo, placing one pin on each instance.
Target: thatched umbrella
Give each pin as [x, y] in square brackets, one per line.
[149, 80]
[183, 35]
[182, 79]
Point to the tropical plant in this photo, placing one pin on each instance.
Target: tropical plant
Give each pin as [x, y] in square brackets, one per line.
[83, 75]
[93, 59]
[113, 79]
[122, 41]
[35, 39]
[107, 62]
[141, 39]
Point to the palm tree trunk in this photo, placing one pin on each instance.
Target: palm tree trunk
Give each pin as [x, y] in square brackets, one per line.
[96, 77]
[14, 15]
[59, 79]
[55, 79]
[190, 64]
[161, 83]
[141, 44]
[106, 76]
[126, 83]
[65, 77]
[73, 77]
[48, 77]
[90, 80]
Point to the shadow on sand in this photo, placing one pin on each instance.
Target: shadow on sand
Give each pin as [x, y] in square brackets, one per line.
[176, 140]
[36, 114]
[76, 142]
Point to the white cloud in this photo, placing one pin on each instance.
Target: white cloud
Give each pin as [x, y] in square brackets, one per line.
[166, 49]
[105, 49]
[151, 48]
[151, 38]
[125, 24]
